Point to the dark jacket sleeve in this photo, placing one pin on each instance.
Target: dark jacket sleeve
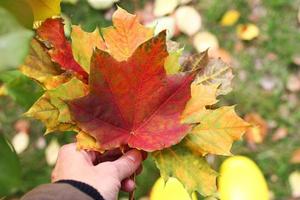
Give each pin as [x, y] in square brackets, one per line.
[63, 190]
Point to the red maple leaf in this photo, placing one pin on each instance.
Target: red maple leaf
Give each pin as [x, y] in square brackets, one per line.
[134, 102]
[51, 33]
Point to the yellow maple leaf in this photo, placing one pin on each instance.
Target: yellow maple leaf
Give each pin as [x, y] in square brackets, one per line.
[3, 90]
[201, 96]
[83, 45]
[230, 18]
[126, 34]
[216, 131]
[52, 109]
[188, 167]
[247, 31]
[48, 113]
[87, 142]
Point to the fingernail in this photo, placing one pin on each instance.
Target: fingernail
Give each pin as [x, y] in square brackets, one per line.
[134, 155]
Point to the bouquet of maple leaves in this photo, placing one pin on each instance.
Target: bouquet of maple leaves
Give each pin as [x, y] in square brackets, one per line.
[126, 88]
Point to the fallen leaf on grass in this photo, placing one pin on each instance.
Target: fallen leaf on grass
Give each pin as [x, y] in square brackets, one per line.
[3, 90]
[223, 54]
[268, 82]
[22, 125]
[247, 31]
[101, 4]
[294, 180]
[164, 23]
[295, 157]
[20, 142]
[259, 129]
[230, 18]
[40, 143]
[299, 15]
[272, 56]
[51, 152]
[205, 40]
[279, 134]
[293, 83]
[258, 11]
[146, 14]
[296, 59]
[164, 7]
[184, 13]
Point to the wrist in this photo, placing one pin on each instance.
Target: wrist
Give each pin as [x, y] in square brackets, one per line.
[83, 187]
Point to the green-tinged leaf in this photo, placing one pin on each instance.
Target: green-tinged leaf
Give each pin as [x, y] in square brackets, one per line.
[190, 168]
[48, 113]
[22, 89]
[83, 45]
[38, 65]
[217, 131]
[10, 176]
[172, 65]
[218, 73]
[14, 41]
[52, 109]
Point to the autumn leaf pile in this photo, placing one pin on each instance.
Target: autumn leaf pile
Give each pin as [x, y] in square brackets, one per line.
[126, 88]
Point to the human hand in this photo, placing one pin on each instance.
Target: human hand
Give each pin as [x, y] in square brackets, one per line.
[107, 177]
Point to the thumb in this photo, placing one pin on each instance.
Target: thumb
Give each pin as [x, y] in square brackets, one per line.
[128, 163]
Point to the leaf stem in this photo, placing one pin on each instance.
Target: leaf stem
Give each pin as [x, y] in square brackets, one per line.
[131, 194]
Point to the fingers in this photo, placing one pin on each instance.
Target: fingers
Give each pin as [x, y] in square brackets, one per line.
[70, 151]
[139, 170]
[128, 185]
[128, 164]
[66, 151]
[111, 155]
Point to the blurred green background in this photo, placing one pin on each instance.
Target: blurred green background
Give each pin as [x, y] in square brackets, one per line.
[266, 85]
